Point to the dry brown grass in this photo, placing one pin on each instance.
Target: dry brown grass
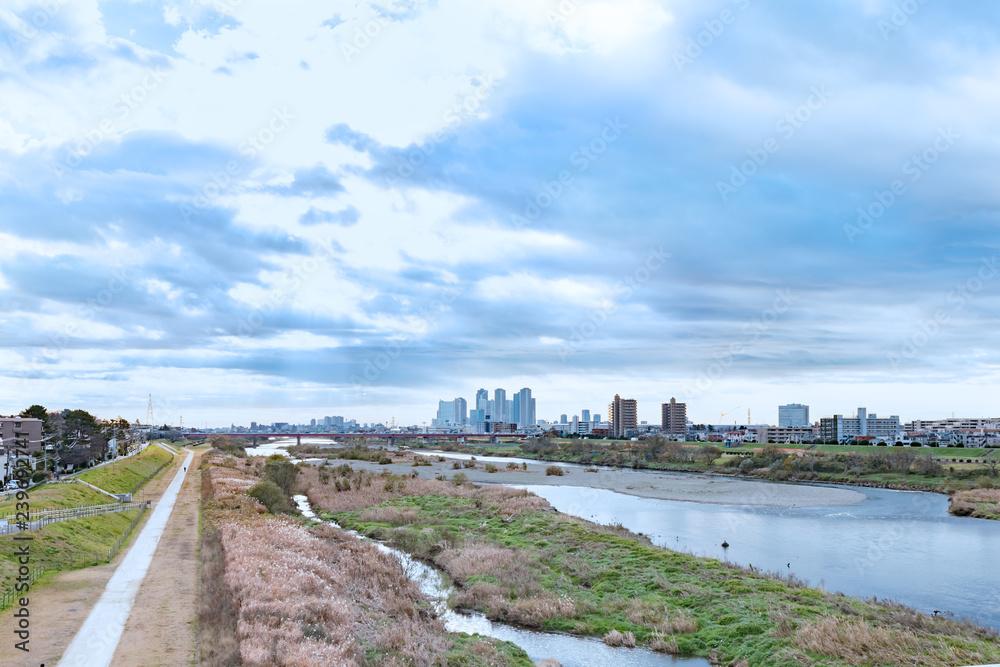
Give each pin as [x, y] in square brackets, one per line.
[615, 638]
[984, 503]
[390, 515]
[857, 642]
[279, 593]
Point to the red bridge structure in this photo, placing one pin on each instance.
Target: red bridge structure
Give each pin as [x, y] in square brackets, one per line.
[390, 438]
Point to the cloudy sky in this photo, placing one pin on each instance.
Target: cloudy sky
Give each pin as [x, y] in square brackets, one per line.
[278, 211]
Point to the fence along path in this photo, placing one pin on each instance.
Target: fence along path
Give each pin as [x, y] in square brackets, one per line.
[34, 520]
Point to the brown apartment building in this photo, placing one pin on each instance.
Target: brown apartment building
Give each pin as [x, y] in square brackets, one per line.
[623, 413]
[674, 417]
[23, 432]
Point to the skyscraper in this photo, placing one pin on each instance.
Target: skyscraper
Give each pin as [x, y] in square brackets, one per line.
[585, 415]
[461, 411]
[482, 397]
[525, 408]
[623, 415]
[674, 417]
[793, 414]
[563, 419]
[499, 405]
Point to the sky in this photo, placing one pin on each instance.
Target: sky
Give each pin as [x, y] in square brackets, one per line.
[280, 211]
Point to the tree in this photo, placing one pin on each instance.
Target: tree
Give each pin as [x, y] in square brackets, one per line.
[37, 412]
[709, 454]
[282, 472]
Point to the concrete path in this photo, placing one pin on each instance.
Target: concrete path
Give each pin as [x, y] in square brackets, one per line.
[95, 643]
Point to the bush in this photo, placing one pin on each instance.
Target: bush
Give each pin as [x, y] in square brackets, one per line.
[270, 496]
[459, 478]
[554, 470]
[491, 468]
[384, 460]
[746, 465]
[282, 472]
[39, 476]
[456, 466]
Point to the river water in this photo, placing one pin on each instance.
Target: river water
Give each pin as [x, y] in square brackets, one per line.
[569, 650]
[898, 545]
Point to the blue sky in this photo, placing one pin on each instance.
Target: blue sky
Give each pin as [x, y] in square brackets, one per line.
[264, 212]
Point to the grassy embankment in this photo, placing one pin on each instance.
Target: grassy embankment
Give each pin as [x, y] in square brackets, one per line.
[68, 545]
[278, 591]
[122, 476]
[515, 559]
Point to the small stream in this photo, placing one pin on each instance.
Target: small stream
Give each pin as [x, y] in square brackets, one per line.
[569, 650]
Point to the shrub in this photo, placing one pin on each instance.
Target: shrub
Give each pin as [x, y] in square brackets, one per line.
[282, 472]
[554, 470]
[591, 470]
[39, 476]
[456, 465]
[491, 468]
[459, 478]
[270, 496]
[384, 460]
[512, 466]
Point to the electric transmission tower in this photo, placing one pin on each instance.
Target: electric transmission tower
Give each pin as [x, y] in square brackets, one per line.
[149, 411]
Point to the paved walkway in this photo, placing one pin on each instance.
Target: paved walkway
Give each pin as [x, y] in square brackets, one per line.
[95, 643]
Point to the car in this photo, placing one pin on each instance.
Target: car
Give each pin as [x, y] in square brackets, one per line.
[12, 486]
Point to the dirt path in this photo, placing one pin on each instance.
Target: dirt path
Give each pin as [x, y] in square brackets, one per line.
[61, 602]
[163, 626]
[94, 645]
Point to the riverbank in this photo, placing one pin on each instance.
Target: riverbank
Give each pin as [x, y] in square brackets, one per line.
[978, 503]
[278, 592]
[896, 468]
[515, 559]
[702, 487]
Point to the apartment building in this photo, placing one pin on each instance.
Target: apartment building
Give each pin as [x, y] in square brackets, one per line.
[624, 416]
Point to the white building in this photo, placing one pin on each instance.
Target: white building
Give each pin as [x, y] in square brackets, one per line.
[793, 415]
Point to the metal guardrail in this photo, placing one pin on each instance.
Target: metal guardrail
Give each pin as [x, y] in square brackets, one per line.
[8, 597]
[113, 551]
[12, 523]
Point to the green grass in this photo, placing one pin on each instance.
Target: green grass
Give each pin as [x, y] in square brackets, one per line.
[56, 496]
[122, 476]
[65, 545]
[620, 581]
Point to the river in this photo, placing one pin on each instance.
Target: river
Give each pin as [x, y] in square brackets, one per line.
[898, 545]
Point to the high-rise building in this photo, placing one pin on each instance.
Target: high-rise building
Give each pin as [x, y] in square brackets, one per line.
[793, 414]
[563, 419]
[585, 415]
[461, 411]
[623, 415]
[674, 417]
[597, 417]
[499, 405]
[525, 408]
[482, 400]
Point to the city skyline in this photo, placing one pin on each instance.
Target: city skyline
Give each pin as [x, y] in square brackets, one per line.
[602, 198]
